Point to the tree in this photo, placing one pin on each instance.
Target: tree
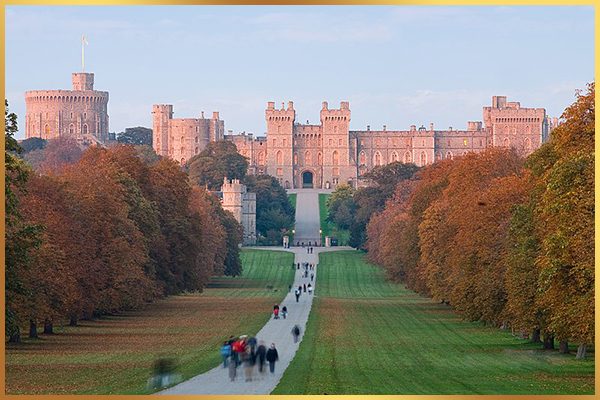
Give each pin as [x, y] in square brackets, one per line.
[217, 161]
[135, 136]
[57, 154]
[274, 213]
[33, 143]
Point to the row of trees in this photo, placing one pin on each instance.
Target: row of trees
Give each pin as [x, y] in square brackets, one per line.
[503, 240]
[111, 231]
[274, 213]
[352, 209]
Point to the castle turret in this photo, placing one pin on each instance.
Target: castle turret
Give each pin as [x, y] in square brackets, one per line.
[83, 80]
[336, 144]
[280, 134]
[161, 115]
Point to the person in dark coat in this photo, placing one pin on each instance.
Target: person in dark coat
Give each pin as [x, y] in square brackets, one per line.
[304, 288]
[272, 357]
[297, 293]
[296, 333]
[261, 353]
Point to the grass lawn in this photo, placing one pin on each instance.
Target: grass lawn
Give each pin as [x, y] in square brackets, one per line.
[366, 335]
[329, 228]
[114, 355]
[292, 197]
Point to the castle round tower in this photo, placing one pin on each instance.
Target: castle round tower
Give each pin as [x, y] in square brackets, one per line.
[79, 113]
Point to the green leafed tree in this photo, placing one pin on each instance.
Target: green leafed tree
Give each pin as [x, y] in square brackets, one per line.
[217, 161]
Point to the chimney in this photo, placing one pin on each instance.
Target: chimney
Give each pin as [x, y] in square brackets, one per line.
[271, 105]
[413, 127]
[202, 114]
[384, 128]
[368, 127]
[282, 106]
[215, 115]
[324, 106]
[290, 105]
[431, 126]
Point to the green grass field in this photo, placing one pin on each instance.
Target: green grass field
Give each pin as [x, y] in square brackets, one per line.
[366, 335]
[292, 197]
[114, 354]
[329, 228]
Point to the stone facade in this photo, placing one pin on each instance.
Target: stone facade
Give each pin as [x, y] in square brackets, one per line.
[242, 204]
[182, 138]
[327, 154]
[81, 113]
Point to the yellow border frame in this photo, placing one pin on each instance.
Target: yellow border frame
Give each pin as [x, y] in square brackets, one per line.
[594, 3]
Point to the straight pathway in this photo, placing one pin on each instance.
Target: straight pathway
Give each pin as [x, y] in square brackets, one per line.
[216, 381]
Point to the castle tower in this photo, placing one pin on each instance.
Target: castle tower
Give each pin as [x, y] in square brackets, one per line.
[337, 162]
[161, 116]
[80, 113]
[232, 197]
[280, 144]
[242, 205]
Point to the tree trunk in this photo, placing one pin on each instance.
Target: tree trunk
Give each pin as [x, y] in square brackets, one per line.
[581, 350]
[549, 342]
[15, 336]
[535, 336]
[563, 347]
[73, 320]
[48, 328]
[32, 329]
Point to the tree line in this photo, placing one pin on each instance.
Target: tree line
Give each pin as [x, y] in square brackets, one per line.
[109, 231]
[502, 239]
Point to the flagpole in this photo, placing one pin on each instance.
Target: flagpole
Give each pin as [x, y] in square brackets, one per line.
[82, 53]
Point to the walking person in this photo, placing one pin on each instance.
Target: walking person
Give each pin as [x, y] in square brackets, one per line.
[276, 311]
[232, 370]
[261, 353]
[248, 364]
[296, 333]
[272, 357]
[304, 287]
[297, 293]
[311, 277]
[310, 289]
[225, 353]
[284, 312]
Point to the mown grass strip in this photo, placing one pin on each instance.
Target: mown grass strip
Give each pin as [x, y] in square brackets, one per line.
[369, 336]
[115, 354]
[329, 228]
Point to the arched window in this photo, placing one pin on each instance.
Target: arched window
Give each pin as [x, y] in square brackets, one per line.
[320, 158]
[362, 158]
[507, 130]
[196, 151]
[307, 158]
[423, 159]
[528, 130]
[449, 155]
[528, 143]
[85, 129]
[47, 130]
[261, 158]
[506, 142]
[279, 158]
[394, 157]
[407, 157]
[71, 129]
[377, 159]
[336, 157]
[182, 161]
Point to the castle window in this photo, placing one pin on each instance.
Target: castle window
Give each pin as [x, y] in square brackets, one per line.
[84, 115]
[336, 171]
[197, 129]
[407, 157]
[261, 158]
[47, 130]
[506, 142]
[528, 130]
[466, 142]
[278, 129]
[295, 158]
[182, 161]
[362, 158]
[449, 155]
[279, 158]
[71, 115]
[284, 142]
[480, 142]
[279, 171]
[196, 139]
[377, 159]
[331, 142]
[275, 142]
[85, 129]
[307, 158]
[320, 158]
[335, 129]
[182, 139]
[362, 142]
[196, 151]
[336, 158]
[71, 129]
[528, 143]
[394, 157]
[423, 158]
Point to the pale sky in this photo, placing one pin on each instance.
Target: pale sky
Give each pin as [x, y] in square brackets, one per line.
[396, 65]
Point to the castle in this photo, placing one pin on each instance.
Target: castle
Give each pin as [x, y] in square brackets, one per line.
[242, 204]
[327, 154]
[80, 113]
[182, 138]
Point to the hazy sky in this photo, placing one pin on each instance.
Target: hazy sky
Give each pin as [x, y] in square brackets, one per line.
[396, 65]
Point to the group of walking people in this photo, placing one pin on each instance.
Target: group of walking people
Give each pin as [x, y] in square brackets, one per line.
[248, 353]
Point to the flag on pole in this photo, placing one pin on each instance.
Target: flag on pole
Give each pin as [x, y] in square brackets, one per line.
[84, 42]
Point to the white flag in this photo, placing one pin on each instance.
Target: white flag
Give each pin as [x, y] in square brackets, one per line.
[84, 40]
